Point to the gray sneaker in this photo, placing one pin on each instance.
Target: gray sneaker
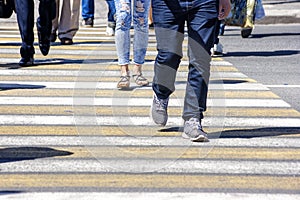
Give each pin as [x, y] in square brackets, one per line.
[193, 130]
[159, 110]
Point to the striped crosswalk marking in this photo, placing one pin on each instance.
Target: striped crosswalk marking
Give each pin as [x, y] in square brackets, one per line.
[66, 129]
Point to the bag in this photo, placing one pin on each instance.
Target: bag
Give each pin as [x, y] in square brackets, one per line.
[6, 8]
[259, 10]
[238, 13]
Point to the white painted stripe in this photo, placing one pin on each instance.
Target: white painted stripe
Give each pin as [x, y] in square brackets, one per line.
[102, 72]
[112, 85]
[77, 37]
[147, 196]
[158, 165]
[283, 86]
[45, 72]
[95, 36]
[151, 141]
[221, 63]
[3, 30]
[83, 44]
[150, 62]
[93, 120]
[87, 53]
[132, 102]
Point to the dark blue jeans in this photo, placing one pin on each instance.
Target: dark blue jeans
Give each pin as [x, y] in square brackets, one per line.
[88, 9]
[25, 17]
[169, 17]
[111, 11]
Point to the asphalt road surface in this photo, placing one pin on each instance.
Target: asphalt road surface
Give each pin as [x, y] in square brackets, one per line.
[271, 56]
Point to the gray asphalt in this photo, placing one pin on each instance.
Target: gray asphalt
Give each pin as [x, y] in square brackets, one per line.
[271, 56]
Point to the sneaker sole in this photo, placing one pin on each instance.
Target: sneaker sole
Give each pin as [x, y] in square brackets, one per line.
[123, 86]
[200, 138]
[159, 124]
[87, 26]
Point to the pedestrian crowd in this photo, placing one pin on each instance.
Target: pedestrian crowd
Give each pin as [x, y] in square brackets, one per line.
[171, 19]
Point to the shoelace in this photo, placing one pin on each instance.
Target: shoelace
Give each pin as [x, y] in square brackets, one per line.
[195, 124]
[162, 104]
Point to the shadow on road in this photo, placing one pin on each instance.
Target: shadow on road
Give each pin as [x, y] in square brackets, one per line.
[57, 61]
[257, 35]
[7, 192]
[246, 133]
[260, 132]
[29, 153]
[262, 53]
[218, 81]
[6, 86]
[281, 2]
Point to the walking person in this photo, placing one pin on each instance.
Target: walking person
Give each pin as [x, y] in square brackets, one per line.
[150, 18]
[249, 23]
[217, 49]
[25, 18]
[169, 18]
[66, 21]
[126, 13]
[88, 13]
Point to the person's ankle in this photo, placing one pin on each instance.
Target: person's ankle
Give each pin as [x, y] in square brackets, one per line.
[125, 70]
[137, 70]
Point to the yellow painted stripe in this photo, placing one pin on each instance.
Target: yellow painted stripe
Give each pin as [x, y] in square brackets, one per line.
[94, 79]
[144, 111]
[75, 57]
[100, 47]
[11, 39]
[149, 181]
[180, 153]
[114, 67]
[66, 56]
[135, 93]
[137, 130]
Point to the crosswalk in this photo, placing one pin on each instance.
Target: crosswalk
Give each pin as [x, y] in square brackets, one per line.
[67, 131]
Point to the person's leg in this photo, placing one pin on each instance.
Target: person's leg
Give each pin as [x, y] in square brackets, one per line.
[169, 28]
[25, 18]
[55, 21]
[122, 39]
[111, 18]
[111, 11]
[169, 31]
[140, 24]
[47, 12]
[150, 18]
[88, 9]
[140, 39]
[217, 49]
[201, 31]
[249, 24]
[87, 12]
[250, 14]
[69, 21]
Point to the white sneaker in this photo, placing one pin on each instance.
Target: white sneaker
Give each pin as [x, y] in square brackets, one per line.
[193, 130]
[110, 31]
[159, 110]
[217, 50]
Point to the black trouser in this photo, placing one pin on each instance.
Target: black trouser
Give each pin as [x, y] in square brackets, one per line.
[25, 17]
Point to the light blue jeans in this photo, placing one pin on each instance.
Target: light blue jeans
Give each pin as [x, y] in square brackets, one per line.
[124, 10]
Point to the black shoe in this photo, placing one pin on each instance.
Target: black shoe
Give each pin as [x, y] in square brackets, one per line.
[66, 41]
[246, 32]
[151, 26]
[27, 52]
[44, 38]
[89, 22]
[26, 62]
[53, 37]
